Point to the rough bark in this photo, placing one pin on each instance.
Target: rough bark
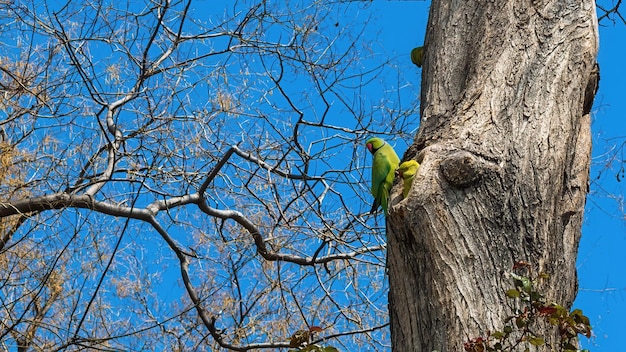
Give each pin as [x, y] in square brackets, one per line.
[504, 146]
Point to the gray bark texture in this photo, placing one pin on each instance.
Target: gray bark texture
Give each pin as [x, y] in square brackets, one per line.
[504, 147]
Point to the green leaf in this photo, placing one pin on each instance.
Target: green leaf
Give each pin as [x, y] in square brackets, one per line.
[576, 313]
[536, 296]
[554, 321]
[523, 282]
[578, 316]
[537, 341]
[498, 335]
[561, 311]
[513, 293]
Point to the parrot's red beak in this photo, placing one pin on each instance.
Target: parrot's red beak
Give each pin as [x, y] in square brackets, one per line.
[370, 148]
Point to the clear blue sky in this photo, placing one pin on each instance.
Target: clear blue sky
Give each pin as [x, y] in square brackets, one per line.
[602, 259]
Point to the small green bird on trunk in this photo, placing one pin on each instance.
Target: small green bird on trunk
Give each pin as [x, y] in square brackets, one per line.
[384, 165]
[407, 171]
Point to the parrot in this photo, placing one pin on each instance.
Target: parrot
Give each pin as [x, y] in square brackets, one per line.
[417, 56]
[384, 164]
[407, 171]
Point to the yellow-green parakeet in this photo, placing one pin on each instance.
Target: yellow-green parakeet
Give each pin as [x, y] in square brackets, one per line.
[417, 56]
[384, 165]
[407, 171]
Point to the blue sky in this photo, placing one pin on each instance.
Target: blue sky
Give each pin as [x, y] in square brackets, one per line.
[601, 262]
[601, 259]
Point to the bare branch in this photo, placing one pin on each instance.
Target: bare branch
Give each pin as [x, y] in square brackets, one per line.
[233, 133]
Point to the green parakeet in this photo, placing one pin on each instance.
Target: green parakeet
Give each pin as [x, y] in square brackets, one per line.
[407, 171]
[384, 165]
[417, 56]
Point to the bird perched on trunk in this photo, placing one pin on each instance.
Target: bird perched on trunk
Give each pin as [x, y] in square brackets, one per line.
[384, 165]
[407, 171]
[417, 56]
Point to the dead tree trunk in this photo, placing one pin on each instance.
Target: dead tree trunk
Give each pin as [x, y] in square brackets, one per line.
[504, 146]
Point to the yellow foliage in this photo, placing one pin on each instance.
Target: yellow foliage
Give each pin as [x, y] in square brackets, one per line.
[11, 182]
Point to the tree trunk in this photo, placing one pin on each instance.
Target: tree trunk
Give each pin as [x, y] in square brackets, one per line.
[504, 147]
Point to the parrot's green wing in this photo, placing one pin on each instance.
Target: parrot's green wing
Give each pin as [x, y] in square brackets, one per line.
[380, 169]
[383, 172]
